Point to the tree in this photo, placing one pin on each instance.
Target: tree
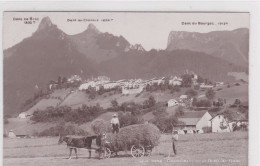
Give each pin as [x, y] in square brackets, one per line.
[114, 105]
[194, 102]
[210, 94]
[92, 92]
[200, 80]
[204, 103]
[186, 80]
[101, 90]
[191, 93]
[59, 81]
[64, 80]
[179, 111]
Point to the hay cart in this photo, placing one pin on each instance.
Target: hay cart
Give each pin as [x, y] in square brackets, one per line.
[138, 139]
[136, 150]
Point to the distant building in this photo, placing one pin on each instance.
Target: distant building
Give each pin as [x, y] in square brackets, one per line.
[23, 115]
[183, 97]
[194, 121]
[126, 91]
[219, 83]
[172, 103]
[204, 86]
[111, 85]
[175, 81]
[220, 123]
[11, 134]
[74, 78]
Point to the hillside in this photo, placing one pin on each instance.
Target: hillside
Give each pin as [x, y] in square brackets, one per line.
[234, 92]
[164, 63]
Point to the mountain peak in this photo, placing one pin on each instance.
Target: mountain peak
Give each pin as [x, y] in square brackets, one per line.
[92, 27]
[45, 23]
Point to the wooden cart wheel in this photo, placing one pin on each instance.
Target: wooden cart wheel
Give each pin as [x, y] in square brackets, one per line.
[137, 151]
[107, 153]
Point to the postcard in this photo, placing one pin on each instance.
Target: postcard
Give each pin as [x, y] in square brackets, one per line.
[126, 88]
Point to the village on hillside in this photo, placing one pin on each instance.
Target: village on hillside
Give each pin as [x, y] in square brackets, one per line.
[191, 99]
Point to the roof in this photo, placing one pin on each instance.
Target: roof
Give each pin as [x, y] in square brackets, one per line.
[190, 121]
[173, 100]
[183, 96]
[233, 116]
[193, 114]
[191, 117]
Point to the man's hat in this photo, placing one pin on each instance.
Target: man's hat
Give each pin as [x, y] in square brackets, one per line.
[114, 115]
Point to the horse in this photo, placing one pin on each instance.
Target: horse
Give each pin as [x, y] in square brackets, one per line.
[74, 142]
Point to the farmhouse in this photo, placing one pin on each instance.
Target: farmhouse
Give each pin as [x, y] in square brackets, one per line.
[23, 115]
[17, 134]
[126, 91]
[194, 121]
[221, 123]
[110, 85]
[204, 86]
[175, 81]
[11, 134]
[183, 97]
[172, 103]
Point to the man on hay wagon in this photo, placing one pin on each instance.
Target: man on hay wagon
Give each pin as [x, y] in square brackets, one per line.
[115, 124]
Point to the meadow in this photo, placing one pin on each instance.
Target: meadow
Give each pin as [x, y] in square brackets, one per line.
[214, 149]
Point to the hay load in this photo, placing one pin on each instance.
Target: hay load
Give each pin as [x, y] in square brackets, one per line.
[139, 135]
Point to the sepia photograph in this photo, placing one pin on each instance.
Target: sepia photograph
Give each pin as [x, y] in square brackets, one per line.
[125, 88]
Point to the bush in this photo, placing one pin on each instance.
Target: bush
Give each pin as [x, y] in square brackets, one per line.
[128, 118]
[64, 130]
[204, 103]
[79, 115]
[191, 93]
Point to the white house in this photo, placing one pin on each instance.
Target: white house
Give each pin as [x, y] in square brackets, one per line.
[194, 121]
[172, 103]
[86, 85]
[22, 115]
[126, 91]
[110, 85]
[11, 134]
[175, 81]
[219, 83]
[220, 123]
[204, 86]
[183, 97]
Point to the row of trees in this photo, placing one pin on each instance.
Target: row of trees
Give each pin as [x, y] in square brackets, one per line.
[92, 92]
[80, 115]
[132, 106]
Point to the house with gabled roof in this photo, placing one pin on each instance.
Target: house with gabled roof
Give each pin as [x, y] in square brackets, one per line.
[194, 121]
[227, 123]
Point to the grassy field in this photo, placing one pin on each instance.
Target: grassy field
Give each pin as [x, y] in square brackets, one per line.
[201, 149]
[234, 92]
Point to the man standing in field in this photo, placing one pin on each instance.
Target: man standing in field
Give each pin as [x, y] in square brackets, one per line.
[115, 124]
[175, 137]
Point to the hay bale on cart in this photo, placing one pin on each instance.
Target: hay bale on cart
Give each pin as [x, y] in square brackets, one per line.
[139, 139]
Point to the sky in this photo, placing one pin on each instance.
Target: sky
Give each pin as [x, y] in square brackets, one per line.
[151, 30]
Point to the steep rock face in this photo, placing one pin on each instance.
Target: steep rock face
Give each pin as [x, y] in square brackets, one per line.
[228, 45]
